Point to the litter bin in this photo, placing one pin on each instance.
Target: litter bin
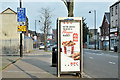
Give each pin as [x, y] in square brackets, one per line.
[115, 48]
[54, 56]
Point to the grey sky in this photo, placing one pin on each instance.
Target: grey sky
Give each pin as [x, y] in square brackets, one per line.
[81, 9]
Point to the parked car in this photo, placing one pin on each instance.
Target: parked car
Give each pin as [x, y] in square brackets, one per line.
[48, 45]
[41, 47]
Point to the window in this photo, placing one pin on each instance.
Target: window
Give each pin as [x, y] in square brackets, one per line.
[112, 25]
[112, 11]
[108, 31]
[116, 9]
[116, 23]
[105, 31]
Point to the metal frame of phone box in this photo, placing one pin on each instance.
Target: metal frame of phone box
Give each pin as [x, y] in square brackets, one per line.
[67, 19]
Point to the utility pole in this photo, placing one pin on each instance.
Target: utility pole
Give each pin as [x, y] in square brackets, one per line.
[21, 47]
[95, 27]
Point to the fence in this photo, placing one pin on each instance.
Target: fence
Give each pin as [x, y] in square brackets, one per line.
[28, 44]
[10, 46]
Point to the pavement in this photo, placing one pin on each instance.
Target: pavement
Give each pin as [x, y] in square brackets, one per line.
[36, 64]
[7, 60]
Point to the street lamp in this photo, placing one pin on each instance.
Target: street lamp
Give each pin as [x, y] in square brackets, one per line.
[94, 25]
[36, 32]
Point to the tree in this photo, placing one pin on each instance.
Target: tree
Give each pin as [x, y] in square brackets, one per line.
[45, 18]
[70, 5]
[85, 31]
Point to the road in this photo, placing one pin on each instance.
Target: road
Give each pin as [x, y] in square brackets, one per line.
[100, 64]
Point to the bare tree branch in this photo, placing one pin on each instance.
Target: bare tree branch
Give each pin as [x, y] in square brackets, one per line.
[45, 18]
[65, 2]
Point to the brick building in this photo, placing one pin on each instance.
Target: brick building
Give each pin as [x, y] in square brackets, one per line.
[105, 30]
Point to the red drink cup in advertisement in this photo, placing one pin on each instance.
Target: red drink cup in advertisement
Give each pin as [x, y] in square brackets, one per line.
[68, 50]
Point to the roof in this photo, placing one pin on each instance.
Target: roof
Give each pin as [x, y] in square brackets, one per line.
[107, 14]
[115, 3]
[106, 18]
[7, 10]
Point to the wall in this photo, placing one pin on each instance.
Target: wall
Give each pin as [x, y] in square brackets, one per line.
[28, 44]
[119, 29]
[113, 39]
[114, 17]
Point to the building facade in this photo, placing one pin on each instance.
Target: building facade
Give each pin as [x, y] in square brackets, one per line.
[115, 24]
[104, 32]
[92, 39]
[10, 36]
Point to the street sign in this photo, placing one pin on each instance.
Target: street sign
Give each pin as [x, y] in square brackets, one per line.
[21, 17]
[70, 53]
[21, 28]
[21, 23]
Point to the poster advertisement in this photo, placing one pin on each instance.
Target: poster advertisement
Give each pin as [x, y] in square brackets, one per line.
[70, 46]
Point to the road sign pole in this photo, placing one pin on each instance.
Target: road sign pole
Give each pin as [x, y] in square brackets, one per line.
[21, 50]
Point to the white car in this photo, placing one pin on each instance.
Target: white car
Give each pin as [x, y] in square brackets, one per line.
[41, 47]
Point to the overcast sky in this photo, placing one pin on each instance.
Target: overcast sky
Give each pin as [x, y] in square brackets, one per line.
[81, 9]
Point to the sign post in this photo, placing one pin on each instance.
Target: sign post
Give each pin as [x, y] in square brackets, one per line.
[70, 45]
[21, 18]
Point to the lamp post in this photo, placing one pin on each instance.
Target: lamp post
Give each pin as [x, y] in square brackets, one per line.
[94, 25]
[35, 31]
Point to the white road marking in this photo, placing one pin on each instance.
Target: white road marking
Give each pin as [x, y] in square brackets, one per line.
[99, 54]
[91, 57]
[112, 62]
[86, 75]
[102, 54]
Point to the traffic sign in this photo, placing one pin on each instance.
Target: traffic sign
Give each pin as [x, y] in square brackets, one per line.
[21, 28]
[21, 17]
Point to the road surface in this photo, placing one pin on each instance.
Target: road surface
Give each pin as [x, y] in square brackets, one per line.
[100, 64]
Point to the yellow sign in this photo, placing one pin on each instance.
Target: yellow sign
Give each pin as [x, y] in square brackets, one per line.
[21, 28]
